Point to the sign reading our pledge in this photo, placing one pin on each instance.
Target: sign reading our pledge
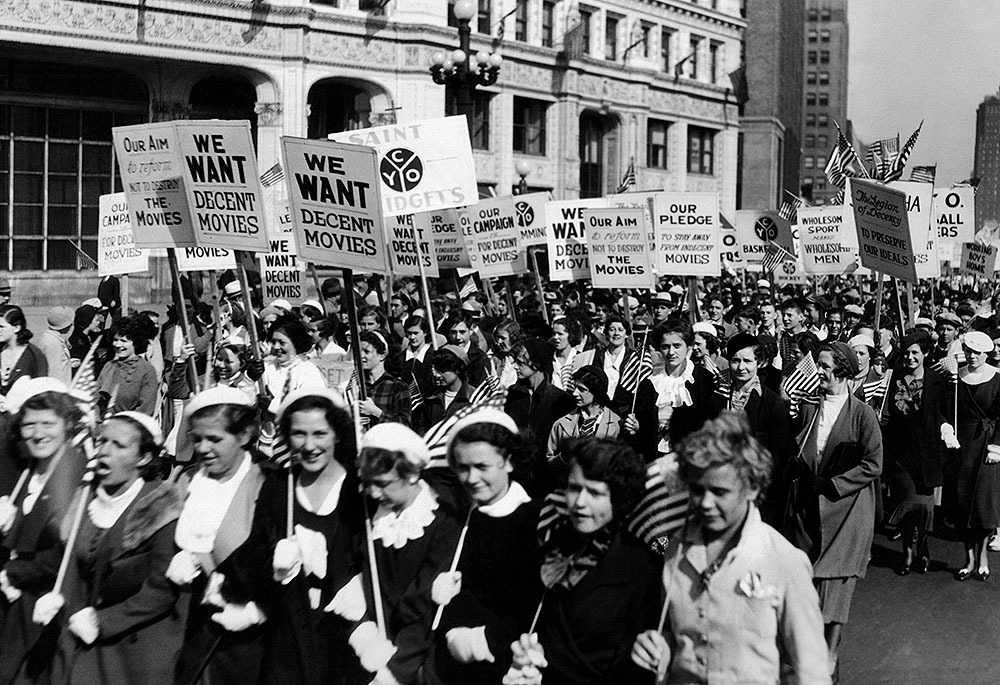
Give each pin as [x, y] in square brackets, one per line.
[150, 166]
[496, 239]
[334, 193]
[954, 213]
[529, 210]
[282, 273]
[979, 260]
[569, 258]
[687, 234]
[827, 248]
[445, 227]
[922, 233]
[404, 233]
[619, 248]
[222, 184]
[205, 259]
[116, 250]
[423, 165]
[883, 229]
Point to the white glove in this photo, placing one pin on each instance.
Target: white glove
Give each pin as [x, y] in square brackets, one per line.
[527, 652]
[287, 560]
[469, 644]
[10, 592]
[948, 436]
[373, 650]
[213, 591]
[46, 608]
[237, 617]
[7, 514]
[993, 454]
[523, 675]
[446, 587]
[84, 625]
[349, 602]
[183, 568]
[384, 677]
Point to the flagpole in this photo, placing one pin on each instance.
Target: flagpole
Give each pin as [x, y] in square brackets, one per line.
[241, 275]
[427, 294]
[182, 316]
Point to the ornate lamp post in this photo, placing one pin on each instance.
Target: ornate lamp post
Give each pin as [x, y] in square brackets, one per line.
[462, 70]
[523, 168]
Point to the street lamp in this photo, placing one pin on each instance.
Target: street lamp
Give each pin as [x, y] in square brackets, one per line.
[461, 69]
[522, 168]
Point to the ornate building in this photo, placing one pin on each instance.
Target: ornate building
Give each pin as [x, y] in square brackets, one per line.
[584, 89]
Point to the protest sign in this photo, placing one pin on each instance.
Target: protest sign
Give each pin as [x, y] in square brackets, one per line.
[219, 165]
[618, 240]
[566, 237]
[116, 251]
[422, 165]
[827, 248]
[529, 210]
[883, 230]
[687, 234]
[205, 259]
[755, 229]
[954, 212]
[282, 273]
[334, 194]
[150, 164]
[923, 235]
[495, 247]
[336, 369]
[790, 272]
[978, 260]
[403, 233]
[445, 227]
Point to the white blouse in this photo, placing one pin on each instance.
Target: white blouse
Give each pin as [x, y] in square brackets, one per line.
[206, 505]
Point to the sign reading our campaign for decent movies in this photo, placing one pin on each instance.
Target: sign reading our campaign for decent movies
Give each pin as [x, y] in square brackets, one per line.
[687, 234]
[954, 214]
[333, 189]
[495, 241]
[282, 273]
[756, 229]
[529, 210]
[422, 165]
[883, 230]
[569, 258]
[404, 233]
[116, 251]
[922, 233]
[619, 248]
[827, 249]
[222, 184]
[979, 260]
[150, 164]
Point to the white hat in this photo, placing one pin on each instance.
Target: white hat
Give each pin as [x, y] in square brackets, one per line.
[311, 391]
[395, 437]
[220, 394]
[705, 327]
[485, 415]
[861, 339]
[676, 289]
[314, 304]
[146, 421]
[234, 339]
[924, 321]
[25, 388]
[284, 305]
[94, 302]
[632, 302]
[232, 288]
[763, 283]
[977, 341]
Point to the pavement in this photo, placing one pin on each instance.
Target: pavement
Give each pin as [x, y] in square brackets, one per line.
[922, 628]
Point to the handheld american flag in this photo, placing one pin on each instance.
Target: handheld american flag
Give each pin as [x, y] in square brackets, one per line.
[437, 435]
[802, 383]
[638, 368]
[875, 390]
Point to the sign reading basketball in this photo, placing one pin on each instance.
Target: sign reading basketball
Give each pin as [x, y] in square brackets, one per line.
[422, 165]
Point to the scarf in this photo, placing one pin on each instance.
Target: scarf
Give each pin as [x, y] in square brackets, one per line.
[564, 565]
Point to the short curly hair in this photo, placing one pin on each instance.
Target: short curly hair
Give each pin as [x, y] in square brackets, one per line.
[292, 328]
[135, 328]
[612, 462]
[727, 440]
[338, 419]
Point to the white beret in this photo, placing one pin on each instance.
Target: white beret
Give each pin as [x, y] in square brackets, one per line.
[220, 394]
[146, 421]
[311, 391]
[25, 388]
[977, 341]
[395, 437]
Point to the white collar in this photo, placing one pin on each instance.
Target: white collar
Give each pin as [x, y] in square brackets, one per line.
[105, 510]
[419, 354]
[395, 529]
[508, 504]
[330, 502]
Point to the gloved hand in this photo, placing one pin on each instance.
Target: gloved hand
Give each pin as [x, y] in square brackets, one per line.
[948, 436]
[384, 677]
[264, 400]
[183, 568]
[8, 512]
[46, 608]
[446, 587]
[373, 650]
[287, 560]
[527, 652]
[84, 625]
[349, 602]
[469, 644]
[237, 617]
[255, 369]
[10, 592]
[213, 591]
[993, 454]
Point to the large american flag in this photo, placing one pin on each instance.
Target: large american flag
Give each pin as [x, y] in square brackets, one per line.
[628, 180]
[895, 170]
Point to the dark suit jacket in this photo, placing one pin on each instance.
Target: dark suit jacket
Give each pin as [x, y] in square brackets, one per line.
[767, 415]
[913, 441]
[684, 421]
[537, 411]
[621, 402]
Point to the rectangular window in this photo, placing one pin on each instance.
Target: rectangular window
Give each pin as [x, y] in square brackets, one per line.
[823, 120]
[701, 150]
[813, 14]
[521, 21]
[587, 22]
[821, 162]
[823, 100]
[824, 78]
[813, 33]
[824, 56]
[714, 60]
[692, 63]
[529, 126]
[666, 36]
[810, 140]
[822, 140]
[809, 162]
[656, 144]
[812, 57]
[483, 19]
[479, 130]
[647, 39]
[611, 38]
[810, 99]
[810, 120]
[811, 78]
[824, 14]
[824, 36]
[548, 23]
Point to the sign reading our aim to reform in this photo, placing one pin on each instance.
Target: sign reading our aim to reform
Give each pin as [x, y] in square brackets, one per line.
[422, 165]
[883, 229]
[333, 190]
[619, 248]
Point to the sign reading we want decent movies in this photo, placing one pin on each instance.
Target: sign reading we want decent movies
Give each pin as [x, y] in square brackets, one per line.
[333, 190]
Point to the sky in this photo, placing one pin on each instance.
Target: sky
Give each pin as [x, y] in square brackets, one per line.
[934, 60]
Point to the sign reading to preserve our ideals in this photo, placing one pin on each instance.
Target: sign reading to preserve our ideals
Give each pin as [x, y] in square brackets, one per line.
[422, 165]
[619, 248]
[222, 184]
[333, 189]
[756, 229]
[529, 211]
[954, 213]
[150, 164]
[404, 233]
[116, 250]
[495, 239]
[918, 215]
[883, 229]
[687, 234]
[569, 258]
[827, 248]
[979, 260]
[282, 273]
